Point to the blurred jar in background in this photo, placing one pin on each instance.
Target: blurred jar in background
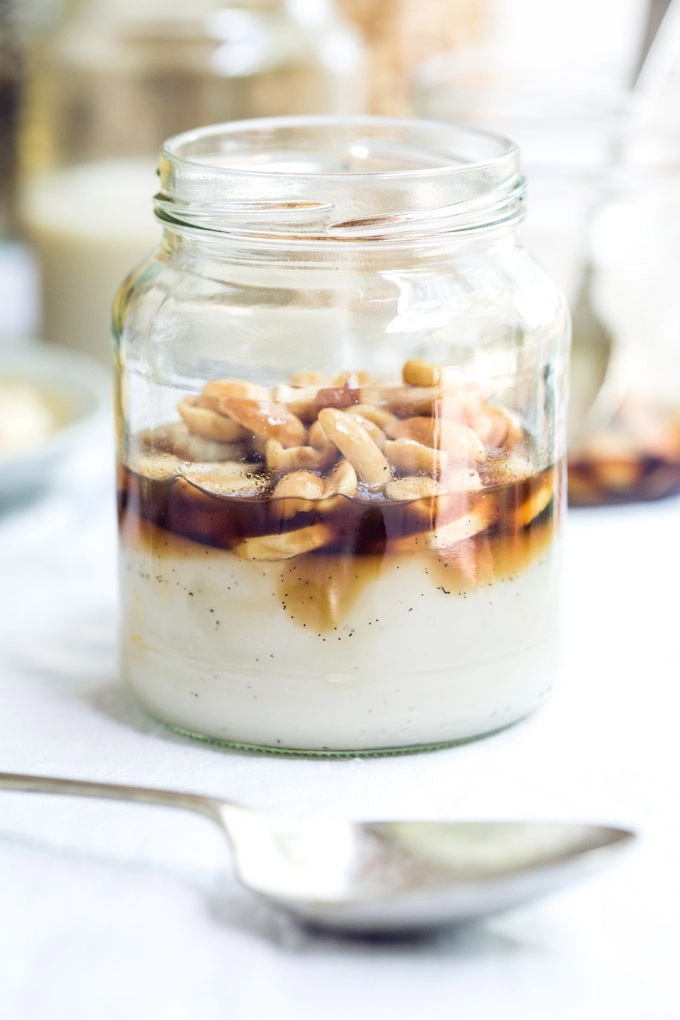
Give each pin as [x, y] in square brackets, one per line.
[627, 445]
[403, 33]
[604, 219]
[113, 82]
[10, 79]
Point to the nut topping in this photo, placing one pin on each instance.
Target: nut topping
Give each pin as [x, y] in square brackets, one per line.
[354, 442]
[230, 389]
[298, 490]
[339, 452]
[266, 419]
[285, 545]
[210, 424]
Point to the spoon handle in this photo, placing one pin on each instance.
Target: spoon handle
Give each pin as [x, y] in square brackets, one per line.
[111, 791]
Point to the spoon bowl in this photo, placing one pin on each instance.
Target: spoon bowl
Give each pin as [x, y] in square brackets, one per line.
[404, 876]
[377, 877]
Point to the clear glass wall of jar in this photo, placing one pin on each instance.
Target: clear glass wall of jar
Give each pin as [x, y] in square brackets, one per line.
[341, 411]
[116, 80]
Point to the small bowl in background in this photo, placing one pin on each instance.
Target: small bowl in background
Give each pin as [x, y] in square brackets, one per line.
[74, 392]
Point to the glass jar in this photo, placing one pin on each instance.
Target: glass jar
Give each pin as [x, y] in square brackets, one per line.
[341, 411]
[627, 445]
[112, 83]
[604, 188]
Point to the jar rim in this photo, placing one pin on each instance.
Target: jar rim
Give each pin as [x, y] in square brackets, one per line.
[508, 150]
[326, 177]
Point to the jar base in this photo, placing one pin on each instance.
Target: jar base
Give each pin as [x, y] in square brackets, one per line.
[328, 753]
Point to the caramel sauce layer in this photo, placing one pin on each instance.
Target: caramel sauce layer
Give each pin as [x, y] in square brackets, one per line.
[323, 483]
[516, 523]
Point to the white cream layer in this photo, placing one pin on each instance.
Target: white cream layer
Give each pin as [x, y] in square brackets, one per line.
[207, 646]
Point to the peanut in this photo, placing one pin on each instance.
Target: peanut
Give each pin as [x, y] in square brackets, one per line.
[408, 401]
[264, 418]
[374, 431]
[465, 525]
[513, 468]
[299, 400]
[177, 439]
[422, 373]
[414, 487]
[209, 424]
[335, 396]
[318, 438]
[460, 404]
[342, 480]
[402, 401]
[285, 545]
[230, 389]
[157, 467]
[411, 457]
[302, 484]
[470, 524]
[380, 416]
[420, 428]
[536, 502]
[298, 491]
[461, 443]
[495, 427]
[458, 441]
[281, 460]
[357, 446]
[228, 479]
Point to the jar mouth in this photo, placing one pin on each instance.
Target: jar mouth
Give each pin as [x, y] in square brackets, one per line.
[328, 179]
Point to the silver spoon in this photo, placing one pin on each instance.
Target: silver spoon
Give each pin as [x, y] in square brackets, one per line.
[369, 877]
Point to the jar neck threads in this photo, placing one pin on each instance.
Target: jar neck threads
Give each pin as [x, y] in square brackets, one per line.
[321, 181]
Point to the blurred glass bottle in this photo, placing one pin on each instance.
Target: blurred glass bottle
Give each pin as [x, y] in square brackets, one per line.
[609, 234]
[113, 82]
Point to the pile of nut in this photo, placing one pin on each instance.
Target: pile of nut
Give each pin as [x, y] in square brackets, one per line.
[314, 439]
[636, 457]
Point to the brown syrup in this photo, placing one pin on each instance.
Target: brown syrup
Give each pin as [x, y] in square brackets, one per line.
[371, 536]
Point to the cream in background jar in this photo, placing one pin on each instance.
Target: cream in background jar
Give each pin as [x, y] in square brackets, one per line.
[115, 79]
[88, 225]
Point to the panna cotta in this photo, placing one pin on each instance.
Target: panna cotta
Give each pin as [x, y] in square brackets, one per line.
[339, 565]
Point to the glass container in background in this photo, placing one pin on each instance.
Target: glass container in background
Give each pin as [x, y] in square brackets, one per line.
[626, 446]
[341, 397]
[10, 84]
[401, 34]
[605, 225]
[115, 80]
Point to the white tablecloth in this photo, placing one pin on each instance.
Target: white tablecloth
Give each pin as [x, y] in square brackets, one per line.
[113, 911]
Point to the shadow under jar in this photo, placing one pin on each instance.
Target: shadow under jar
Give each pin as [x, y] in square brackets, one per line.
[341, 411]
